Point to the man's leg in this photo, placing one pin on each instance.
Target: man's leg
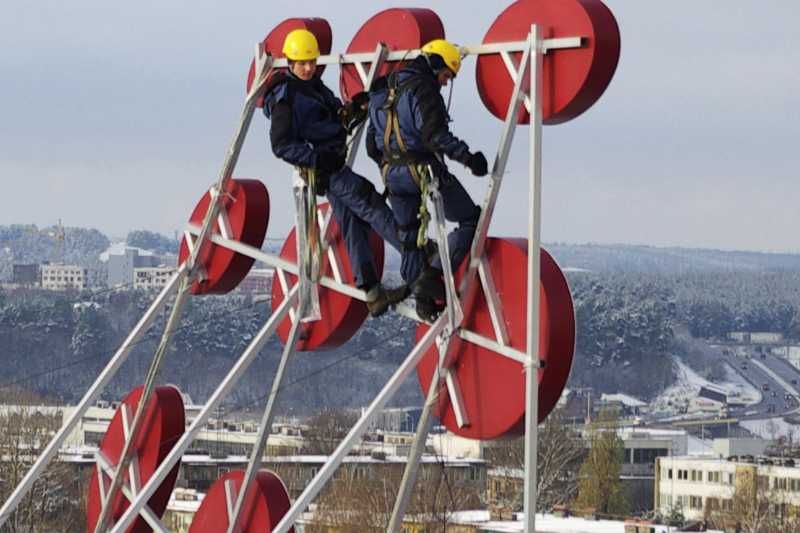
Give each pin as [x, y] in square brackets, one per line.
[415, 269]
[405, 199]
[367, 204]
[459, 208]
[356, 207]
[356, 237]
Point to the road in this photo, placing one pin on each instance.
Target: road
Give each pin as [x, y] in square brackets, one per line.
[775, 378]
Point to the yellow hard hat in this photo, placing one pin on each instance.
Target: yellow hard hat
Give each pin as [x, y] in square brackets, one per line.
[447, 51]
[300, 45]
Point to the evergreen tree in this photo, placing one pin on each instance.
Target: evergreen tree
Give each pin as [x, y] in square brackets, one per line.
[599, 487]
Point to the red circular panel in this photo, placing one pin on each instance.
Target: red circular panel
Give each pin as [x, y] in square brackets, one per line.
[341, 315]
[493, 386]
[267, 502]
[273, 42]
[246, 206]
[573, 79]
[162, 426]
[398, 29]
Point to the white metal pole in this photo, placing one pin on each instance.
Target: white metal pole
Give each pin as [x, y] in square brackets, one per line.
[149, 386]
[89, 397]
[534, 235]
[222, 390]
[266, 421]
[360, 427]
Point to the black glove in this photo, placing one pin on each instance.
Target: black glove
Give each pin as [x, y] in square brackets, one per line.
[329, 162]
[354, 112]
[477, 164]
[360, 99]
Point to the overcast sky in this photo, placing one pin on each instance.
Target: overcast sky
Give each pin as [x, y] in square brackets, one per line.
[117, 115]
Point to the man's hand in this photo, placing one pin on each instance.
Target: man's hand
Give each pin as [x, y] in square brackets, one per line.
[477, 164]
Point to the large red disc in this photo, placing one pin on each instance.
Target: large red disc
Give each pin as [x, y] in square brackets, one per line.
[246, 208]
[574, 78]
[273, 43]
[341, 315]
[267, 502]
[398, 29]
[492, 385]
[162, 426]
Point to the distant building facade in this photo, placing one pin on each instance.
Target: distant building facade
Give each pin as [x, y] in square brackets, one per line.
[701, 486]
[123, 260]
[257, 281]
[26, 274]
[152, 278]
[62, 277]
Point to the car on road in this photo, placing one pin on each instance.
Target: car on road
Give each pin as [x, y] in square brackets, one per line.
[794, 381]
[765, 386]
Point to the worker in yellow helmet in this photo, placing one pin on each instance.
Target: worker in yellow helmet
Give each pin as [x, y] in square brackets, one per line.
[308, 129]
[408, 128]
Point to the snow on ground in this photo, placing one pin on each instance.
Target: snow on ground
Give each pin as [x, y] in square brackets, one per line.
[770, 428]
[696, 446]
[548, 523]
[688, 384]
[749, 394]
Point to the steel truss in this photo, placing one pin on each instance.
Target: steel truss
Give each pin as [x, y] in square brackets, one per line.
[527, 78]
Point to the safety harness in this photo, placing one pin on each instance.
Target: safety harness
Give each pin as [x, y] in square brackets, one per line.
[419, 170]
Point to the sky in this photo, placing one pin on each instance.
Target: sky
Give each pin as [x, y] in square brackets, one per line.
[117, 116]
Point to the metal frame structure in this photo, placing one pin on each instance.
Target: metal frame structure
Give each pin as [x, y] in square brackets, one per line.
[526, 75]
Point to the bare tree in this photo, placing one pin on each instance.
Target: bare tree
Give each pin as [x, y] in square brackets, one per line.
[755, 507]
[559, 456]
[361, 498]
[54, 503]
[326, 430]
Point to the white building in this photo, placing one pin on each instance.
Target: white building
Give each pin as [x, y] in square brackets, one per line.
[698, 485]
[155, 278]
[62, 277]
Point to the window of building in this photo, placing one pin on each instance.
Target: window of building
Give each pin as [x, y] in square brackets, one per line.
[727, 505]
[712, 477]
[695, 502]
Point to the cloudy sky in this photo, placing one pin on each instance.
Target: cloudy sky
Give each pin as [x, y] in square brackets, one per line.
[117, 115]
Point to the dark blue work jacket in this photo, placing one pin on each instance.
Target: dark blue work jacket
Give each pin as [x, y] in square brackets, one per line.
[304, 119]
[422, 117]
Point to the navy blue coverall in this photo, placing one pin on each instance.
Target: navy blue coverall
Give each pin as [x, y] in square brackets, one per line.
[306, 131]
[423, 121]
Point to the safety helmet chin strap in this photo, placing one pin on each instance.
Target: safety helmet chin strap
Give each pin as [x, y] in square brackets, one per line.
[436, 70]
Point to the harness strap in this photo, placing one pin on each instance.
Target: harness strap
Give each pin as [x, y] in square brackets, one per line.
[419, 172]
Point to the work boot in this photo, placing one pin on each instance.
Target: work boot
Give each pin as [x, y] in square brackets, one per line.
[429, 285]
[427, 309]
[379, 299]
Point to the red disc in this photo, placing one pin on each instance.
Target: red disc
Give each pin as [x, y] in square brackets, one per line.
[573, 78]
[398, 29]
[267, 502]
[162, 426]
[273, 42]
[246, 208]
[492, 385]
[341, 315]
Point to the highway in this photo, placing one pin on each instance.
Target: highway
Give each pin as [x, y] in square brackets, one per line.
[774, 378]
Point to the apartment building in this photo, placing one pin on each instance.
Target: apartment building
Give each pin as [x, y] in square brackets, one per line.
[152, 278]
[57, 277]
[700, 486]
